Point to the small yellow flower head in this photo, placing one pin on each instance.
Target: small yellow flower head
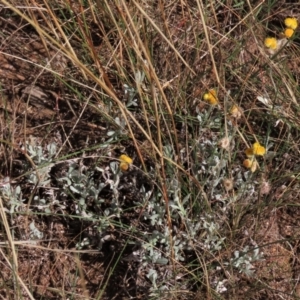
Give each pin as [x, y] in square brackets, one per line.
[211, 97]
[271, 43]
[249, 152]
[235, 111]
[288, 32]
[247, 163]
[258, 149]
[125, 162]
[250, 164]
[291, 23]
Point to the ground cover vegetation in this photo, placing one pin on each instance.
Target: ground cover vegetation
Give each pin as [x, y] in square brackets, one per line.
[149, 149]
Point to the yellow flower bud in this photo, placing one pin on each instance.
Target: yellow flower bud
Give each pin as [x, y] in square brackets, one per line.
[247, 163]
[250, 164]
[125, 162]
[211, 97]
[288, 32]
[236, 112]
[249, 152]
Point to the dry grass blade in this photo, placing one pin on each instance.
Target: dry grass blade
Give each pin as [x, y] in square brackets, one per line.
[13, 267]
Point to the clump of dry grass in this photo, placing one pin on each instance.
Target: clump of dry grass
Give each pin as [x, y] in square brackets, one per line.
[182, 90]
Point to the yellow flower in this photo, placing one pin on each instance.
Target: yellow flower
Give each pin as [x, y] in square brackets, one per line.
[291, 23]
[271, 43]
[258, 149]
[125, 162]
[247, 163]
[288, 32]
[235, 111]
[249, 152]
[250, 164]
[211, 97]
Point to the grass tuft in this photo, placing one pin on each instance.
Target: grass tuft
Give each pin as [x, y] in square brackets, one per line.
[149, 150]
